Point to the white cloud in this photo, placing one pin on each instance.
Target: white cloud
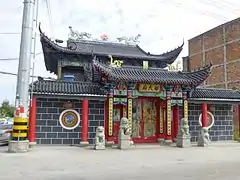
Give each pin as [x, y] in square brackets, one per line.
[162, 23]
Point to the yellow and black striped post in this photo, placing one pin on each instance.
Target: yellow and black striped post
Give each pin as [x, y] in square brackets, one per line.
[20, 127]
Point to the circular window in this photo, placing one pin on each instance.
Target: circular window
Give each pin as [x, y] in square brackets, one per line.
[69, 119]
[210, 120]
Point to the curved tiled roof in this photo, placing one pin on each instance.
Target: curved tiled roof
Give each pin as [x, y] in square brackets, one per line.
[215, 93]
[121, 50]
[134, 74]
[106, 48]
[102, 49]
[66, 88]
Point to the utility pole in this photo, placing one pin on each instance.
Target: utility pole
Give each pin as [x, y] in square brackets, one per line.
[19, 142]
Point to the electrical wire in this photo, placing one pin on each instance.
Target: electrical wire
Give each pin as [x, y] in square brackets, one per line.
[11, 59]
[48, 5]
[9, 33]
[197, 9]
[177, 4]
[14, 74]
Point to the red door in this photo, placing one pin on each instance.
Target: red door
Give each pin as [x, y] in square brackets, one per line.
[144, 120]
[117, 115]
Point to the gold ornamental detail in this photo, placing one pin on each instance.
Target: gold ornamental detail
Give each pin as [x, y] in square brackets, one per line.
[130, 113]
[169, 116]
[185, 104]
[115, 62]
[110, 116]
[149, 88]
[124, 111]
[161, 120]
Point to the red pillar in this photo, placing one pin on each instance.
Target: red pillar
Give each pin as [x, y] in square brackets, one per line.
[204, 115]
[32, 122]
[175, 120]
[110, 125]
[106, 118]
[84, 139]
[239, 118]
[162, 121]
[158, 118]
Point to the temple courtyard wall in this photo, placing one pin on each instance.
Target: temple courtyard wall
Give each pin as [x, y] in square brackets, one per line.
[222, 129]
[49, 130]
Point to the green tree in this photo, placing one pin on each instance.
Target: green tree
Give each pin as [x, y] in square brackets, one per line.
[6, 109]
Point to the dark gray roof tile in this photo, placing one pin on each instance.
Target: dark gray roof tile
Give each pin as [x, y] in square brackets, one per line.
[108, 48]
[215, 94]
[66, 88]
[121, 50]
[134, 74]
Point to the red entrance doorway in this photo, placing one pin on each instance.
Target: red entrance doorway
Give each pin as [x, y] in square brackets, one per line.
[144, 120]
[119, 111]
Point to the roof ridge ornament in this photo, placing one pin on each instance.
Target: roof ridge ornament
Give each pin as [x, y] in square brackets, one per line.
[176, 67]
[104, 37]
[115, 62]
[133, 40]
[75, 35]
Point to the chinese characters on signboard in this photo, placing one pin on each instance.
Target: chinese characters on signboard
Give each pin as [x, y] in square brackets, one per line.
[151, 88]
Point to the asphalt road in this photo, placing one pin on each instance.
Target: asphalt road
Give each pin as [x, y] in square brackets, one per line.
[144, 162]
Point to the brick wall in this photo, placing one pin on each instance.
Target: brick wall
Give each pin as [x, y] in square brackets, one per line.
[221, 46]
[49, 130]
[222, 129]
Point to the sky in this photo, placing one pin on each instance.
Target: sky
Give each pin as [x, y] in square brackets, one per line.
[163, 24]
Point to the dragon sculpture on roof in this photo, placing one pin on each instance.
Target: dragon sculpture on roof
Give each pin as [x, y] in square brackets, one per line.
[75, 35]
[129, 41]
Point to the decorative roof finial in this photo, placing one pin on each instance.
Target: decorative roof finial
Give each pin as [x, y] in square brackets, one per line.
[134, 40]
[75, 35]
[104, 37]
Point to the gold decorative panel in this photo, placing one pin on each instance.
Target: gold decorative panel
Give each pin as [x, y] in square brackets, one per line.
[161, 121]
[169, 116]
[150, 88]
[110, 116]
[185, 105]
[130, 113]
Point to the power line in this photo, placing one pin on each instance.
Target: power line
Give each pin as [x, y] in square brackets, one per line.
[14, 74]
[201, 11]
[9, 33]
[48, 5]
[13, 59]
[8, 59]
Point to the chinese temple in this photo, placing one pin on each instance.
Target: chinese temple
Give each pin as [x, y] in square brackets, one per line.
[99, 82]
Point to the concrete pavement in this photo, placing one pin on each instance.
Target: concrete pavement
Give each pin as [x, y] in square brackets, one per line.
[220, 161]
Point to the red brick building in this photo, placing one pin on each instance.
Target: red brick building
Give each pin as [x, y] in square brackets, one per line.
[221, 47]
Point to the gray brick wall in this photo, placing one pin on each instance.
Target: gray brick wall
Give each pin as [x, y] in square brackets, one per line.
[222, 129]
[49, 130]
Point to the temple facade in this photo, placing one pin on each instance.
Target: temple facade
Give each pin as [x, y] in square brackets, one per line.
[100, 82]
